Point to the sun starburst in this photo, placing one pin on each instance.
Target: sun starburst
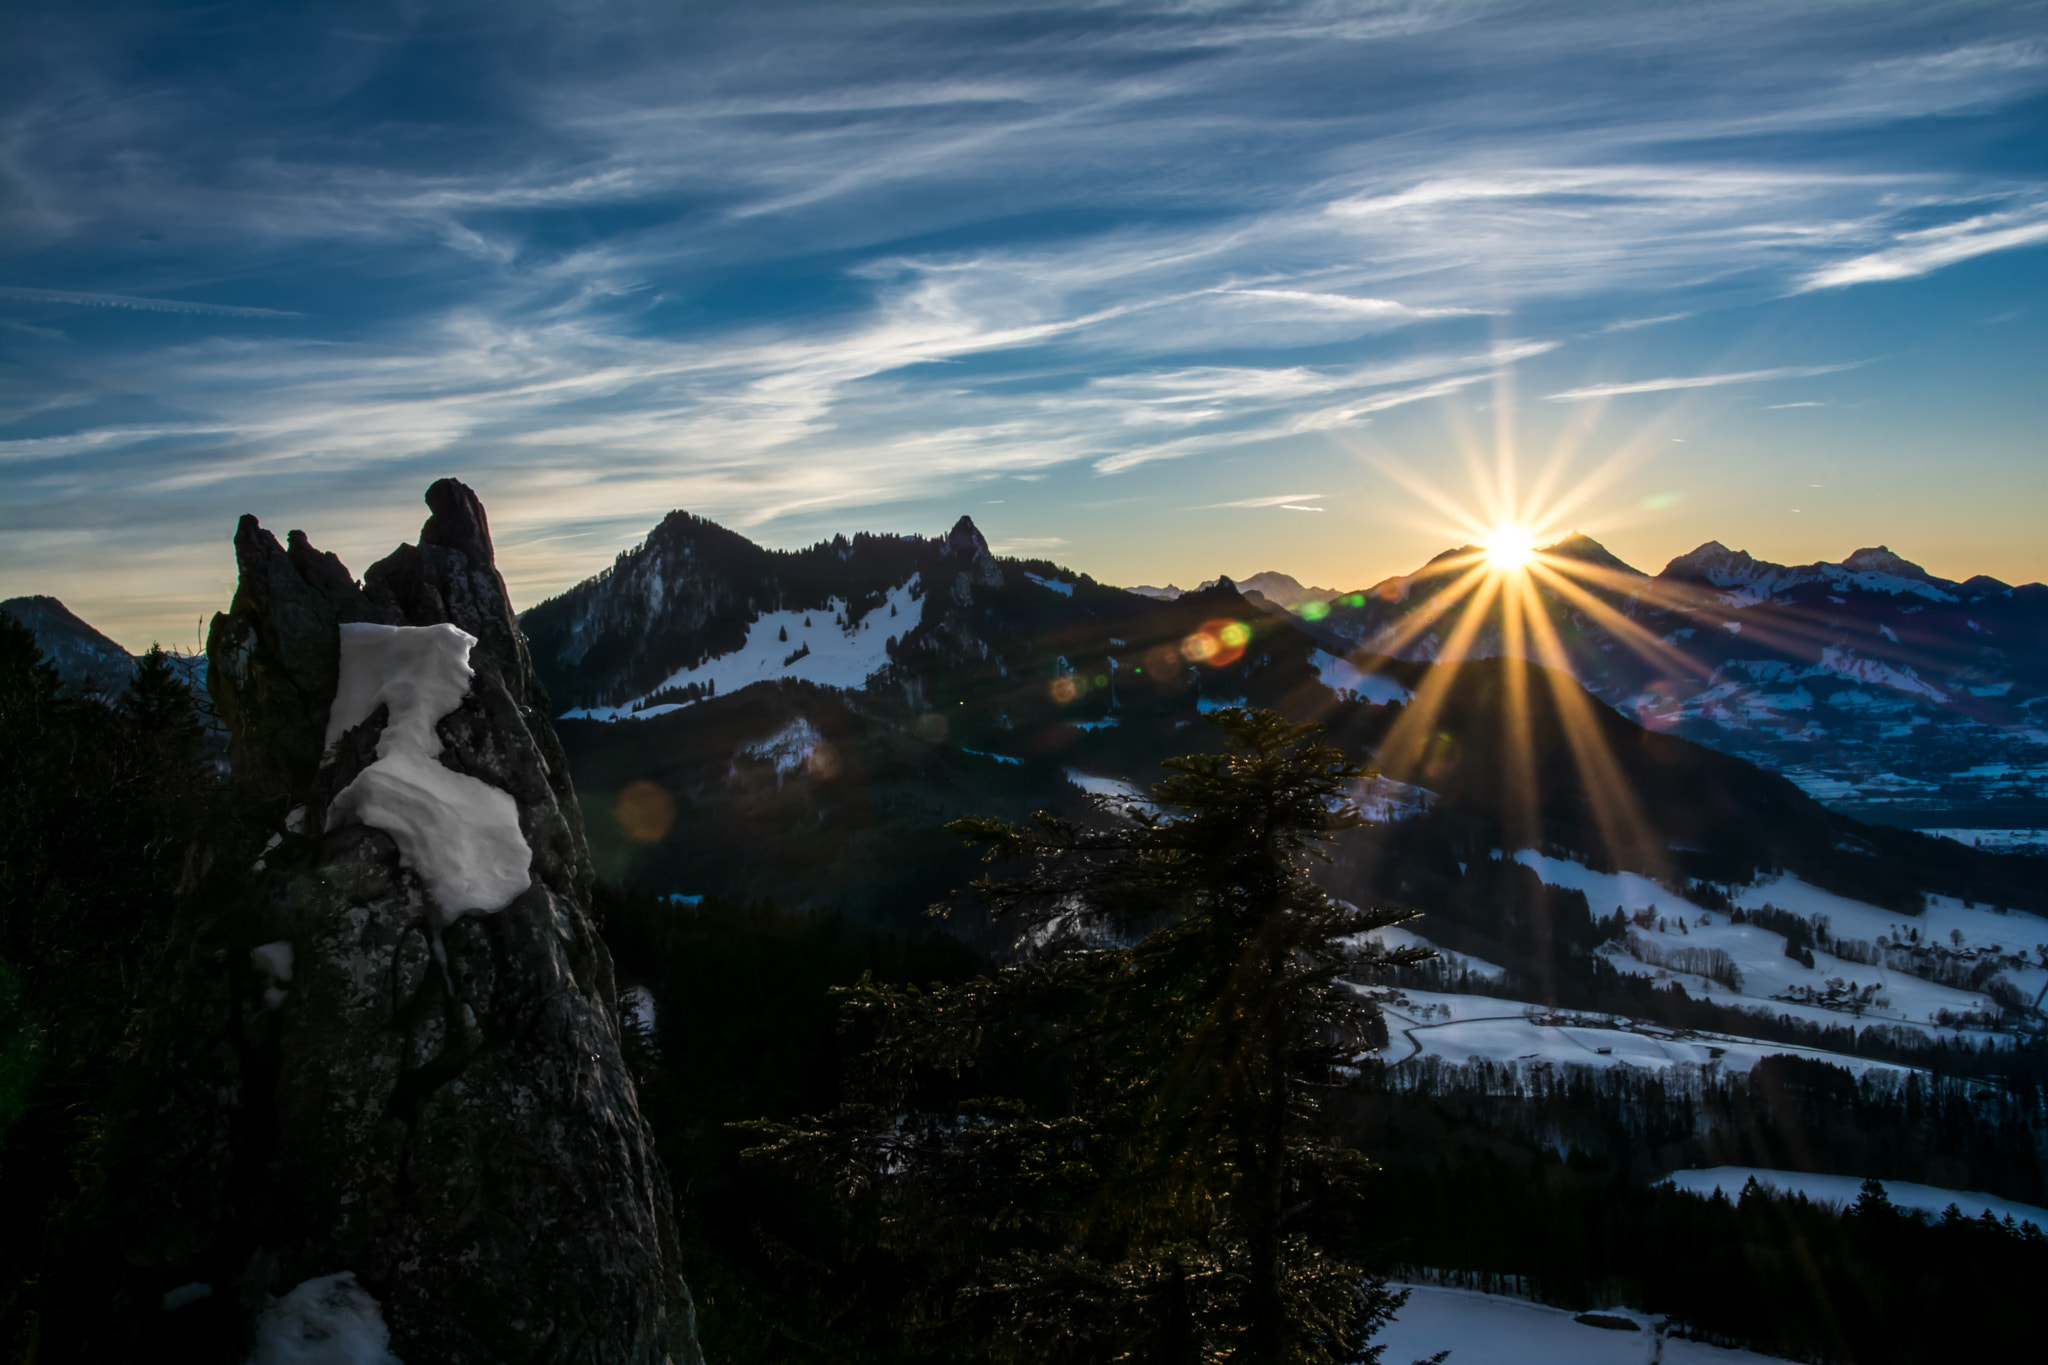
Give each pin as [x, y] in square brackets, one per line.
[1521, 595]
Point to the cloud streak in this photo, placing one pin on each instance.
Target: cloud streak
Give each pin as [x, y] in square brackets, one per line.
[627, 260]
[77, 299]
[1697, 381]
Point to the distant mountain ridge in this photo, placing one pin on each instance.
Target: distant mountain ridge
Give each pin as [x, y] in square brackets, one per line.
[86, 660]
[1283, 590]
[1873, 683]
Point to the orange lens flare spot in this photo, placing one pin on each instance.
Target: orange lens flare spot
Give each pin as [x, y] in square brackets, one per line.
[645, 812]
[1217, 643]
[1065, 689]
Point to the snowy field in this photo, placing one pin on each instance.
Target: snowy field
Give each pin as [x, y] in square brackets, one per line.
[1488, 1329]
[1841, 1191]
[1759, 954]
[839, 656]
[1394, 936]
[1463, 1028]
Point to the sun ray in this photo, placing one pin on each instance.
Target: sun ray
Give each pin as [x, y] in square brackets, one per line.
[1524, 824]
[1553, 574]
[1458, 520]
[1402, 751]
[1393, 641]
[1627, 837]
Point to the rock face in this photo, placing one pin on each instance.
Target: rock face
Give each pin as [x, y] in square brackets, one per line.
[432, 1100]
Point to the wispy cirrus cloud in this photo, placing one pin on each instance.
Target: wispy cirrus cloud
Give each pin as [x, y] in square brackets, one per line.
[1929, 249]
[1697, 381]
[1275, 500]
[631, 259]
[78, 299]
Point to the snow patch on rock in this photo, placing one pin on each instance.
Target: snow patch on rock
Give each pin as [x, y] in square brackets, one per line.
[330, 1320]
[789, 748]
[459, 833]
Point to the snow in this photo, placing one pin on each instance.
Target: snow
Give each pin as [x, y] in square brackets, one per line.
[1063, 589]
[637, 1003]
[274, 962]
[1766, 973]
[983, 753]
[1605, 890]
[1208, 704]
[1115, 790]
[1382, 800]
[1759, 954]
[1109, 724]
[459, 833]
[1491, 1329]
[1465, 1028]
[1980, 926]
[840, 656]
[1341, 675]
[789, 748]
[1842, 1190]
[330, 1320]
[1844, 664]
[184, 1294]
[1393, 936]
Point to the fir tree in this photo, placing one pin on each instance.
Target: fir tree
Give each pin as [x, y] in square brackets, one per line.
[1110, 1149]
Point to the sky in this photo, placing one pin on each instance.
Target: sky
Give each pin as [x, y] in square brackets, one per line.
[1154, 291]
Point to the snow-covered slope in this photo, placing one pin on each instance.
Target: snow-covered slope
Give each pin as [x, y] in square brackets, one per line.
[828, 646]
[1885, 971]
[1491, 1329]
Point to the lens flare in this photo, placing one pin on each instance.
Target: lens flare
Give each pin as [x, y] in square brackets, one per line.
[1521, 596]
[645, 812]
[1509, 548]
[1217, 644]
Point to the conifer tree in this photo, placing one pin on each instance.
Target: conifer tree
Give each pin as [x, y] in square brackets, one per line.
[1109, 1150]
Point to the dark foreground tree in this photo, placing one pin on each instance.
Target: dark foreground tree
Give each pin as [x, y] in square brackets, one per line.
[102, 807]
[1112, 1148]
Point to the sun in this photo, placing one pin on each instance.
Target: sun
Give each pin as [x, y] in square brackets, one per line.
[1509, 548]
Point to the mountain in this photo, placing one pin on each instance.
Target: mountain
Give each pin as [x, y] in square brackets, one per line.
[1279, 589]
[87, 661]
[1876, 686]
[808, 719]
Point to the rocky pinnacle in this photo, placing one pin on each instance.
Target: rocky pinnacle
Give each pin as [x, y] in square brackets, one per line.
[434, 1102]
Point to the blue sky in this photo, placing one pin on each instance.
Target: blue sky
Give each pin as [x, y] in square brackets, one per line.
[1134, 286]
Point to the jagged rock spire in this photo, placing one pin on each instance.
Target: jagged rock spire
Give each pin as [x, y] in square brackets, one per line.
[346, 1078]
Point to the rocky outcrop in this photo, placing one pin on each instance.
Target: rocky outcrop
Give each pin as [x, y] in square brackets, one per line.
[349, 1075]
[969, 559]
